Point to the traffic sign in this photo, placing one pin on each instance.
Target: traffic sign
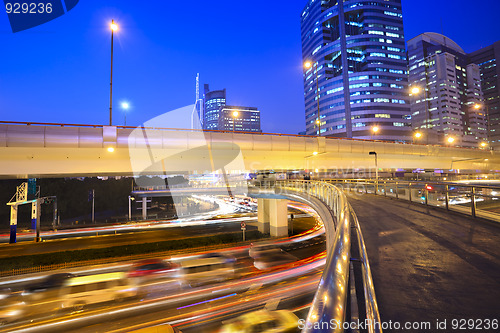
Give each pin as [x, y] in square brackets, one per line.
[243, 224]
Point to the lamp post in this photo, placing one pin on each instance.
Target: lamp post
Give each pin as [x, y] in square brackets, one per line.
[130, 199]
[415, 91]
[450, 140]
[417, 136]
[125, 107]
[375, 130]
[308, 65]
[376, 170]
[113, 27]
[477, 107]
[235, 114]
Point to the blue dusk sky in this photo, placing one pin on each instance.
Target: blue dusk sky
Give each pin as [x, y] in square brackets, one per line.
[59, 71]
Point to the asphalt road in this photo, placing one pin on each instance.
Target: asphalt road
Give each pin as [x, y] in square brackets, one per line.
[139, 237]
[429, 265]
[300, 291]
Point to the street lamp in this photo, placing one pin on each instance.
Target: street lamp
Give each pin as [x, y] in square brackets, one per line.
[417, 136]
[376, 170]
[125, 107]
[477, 106]
[415, 91]
[450, 139]
[113, 27]
[308, 65]
[235, 114]
[375, 130]
[130, 199]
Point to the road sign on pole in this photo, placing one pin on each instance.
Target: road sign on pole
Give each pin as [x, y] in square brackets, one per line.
[243, 228]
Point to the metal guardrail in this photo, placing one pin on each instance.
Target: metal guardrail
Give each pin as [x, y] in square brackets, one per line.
[329, 307]
[470, 199]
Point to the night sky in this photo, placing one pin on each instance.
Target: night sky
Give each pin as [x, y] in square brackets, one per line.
[59, 71]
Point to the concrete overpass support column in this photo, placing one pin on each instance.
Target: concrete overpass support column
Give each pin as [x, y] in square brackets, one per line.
[263, 215]
[144, 208]
[279, 217]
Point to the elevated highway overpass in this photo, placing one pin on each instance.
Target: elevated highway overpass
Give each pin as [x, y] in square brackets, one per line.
[55, 150]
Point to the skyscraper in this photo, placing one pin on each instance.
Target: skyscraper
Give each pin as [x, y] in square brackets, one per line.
[356, 79]
[446, 106]
[212, 101]
[487, 58]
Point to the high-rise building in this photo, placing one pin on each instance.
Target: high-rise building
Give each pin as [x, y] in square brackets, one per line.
[357, 75]
[212, 101]
[446, 92]
[239, 118]
[487, 58]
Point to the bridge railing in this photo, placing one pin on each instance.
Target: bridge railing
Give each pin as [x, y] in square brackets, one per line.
[329, 307]
[474, 200]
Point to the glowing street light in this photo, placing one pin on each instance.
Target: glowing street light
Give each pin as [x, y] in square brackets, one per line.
[235, 114]
[415, 91]
[418, 135]
[125, 107]
[308, 65]
[450, 139]
[111, 149]
[484, 144]
[113, 27]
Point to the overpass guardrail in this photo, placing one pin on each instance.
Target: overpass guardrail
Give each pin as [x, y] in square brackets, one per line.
[481, 201]
[329, 311]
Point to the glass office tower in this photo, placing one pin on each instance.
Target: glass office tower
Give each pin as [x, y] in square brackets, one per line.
[212, 101]
[355, 80]
[487, 59]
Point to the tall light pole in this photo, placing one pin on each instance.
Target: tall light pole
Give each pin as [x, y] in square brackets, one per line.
[477, 107]
[113, 27]
[308, 65]
[125, 107]
[415, 91]
[417, 136]
[375, 130]
[376, 170]
[235, 114]
[130, 199]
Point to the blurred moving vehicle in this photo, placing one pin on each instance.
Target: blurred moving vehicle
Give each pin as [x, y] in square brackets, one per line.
[78, 292]
[164, 328]
[267, 256]
[151, 269]
[207, 269]
[48, 287]
[271, 261]
[11, 309]
[263, 321]
[226, 257]
[259, 250]
[43, 297]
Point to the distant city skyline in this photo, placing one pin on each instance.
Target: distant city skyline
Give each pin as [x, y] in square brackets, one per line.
[59, 71]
